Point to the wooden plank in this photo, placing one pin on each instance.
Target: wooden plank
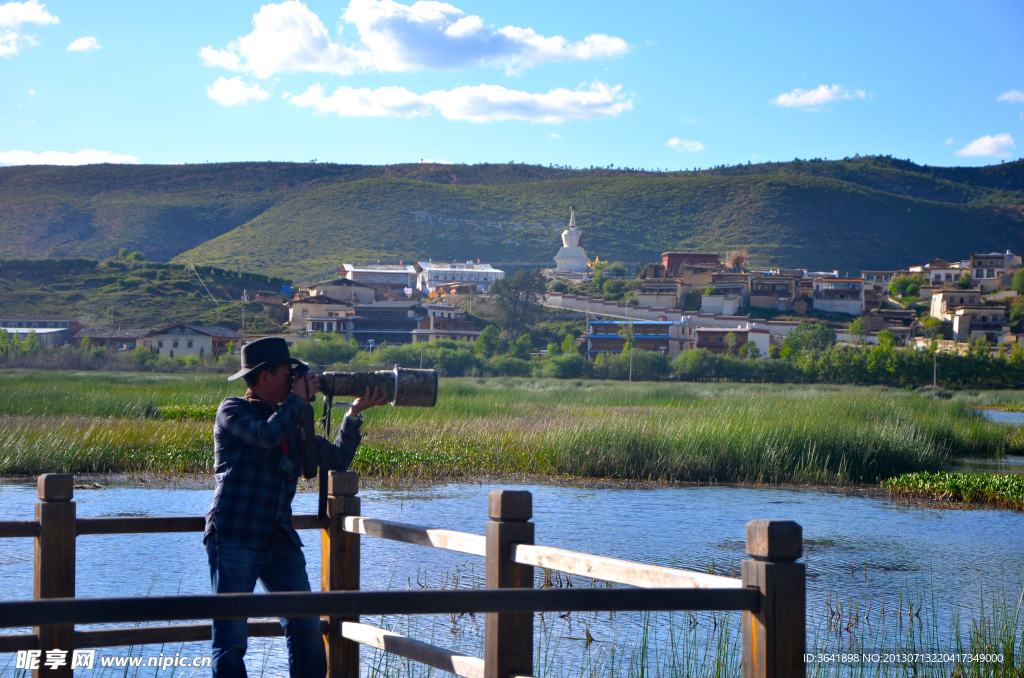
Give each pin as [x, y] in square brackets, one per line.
[13, 642]
[54, 575]
[508, 636]
[339, 561]
[449, 540]
[140, 524]
[15, 613]
[173, 633]
[19, 528]
[416, 650]
[775, 635]
[617, 571]
[162, 524]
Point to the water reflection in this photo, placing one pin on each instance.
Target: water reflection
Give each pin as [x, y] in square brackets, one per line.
[858, 547]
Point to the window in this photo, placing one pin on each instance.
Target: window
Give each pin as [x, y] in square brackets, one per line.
[175, 345]
[190, 344]
[160, 344]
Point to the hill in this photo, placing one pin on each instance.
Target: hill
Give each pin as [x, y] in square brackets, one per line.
[783, 220]
[132, 294]
[293, 219]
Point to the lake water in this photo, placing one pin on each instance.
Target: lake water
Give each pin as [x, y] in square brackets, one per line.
[857, 548]
[1016, 418]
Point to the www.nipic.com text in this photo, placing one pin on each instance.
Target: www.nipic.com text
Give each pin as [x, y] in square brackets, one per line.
[85, 659]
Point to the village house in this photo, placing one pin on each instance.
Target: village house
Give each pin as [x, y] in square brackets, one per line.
[668, 336]
[49, 330]
[661, 293]
[716, 339]
[988, 270]
[391, 322]
[938, 272]
[673, 263]
[445, 322]
[839, 295]
[770, 290]
[182, 339]
[974, 321]
[332, 324]
[320, 306]
[720, 303]
[385, 278]
[432, 274]
[733, 284]
[341, 289]
[944, 302]
[127, 340]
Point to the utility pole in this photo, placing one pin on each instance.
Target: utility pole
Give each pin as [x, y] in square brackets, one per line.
[935, 369]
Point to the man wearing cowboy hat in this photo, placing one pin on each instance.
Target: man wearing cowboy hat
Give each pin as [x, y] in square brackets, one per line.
[249, 534]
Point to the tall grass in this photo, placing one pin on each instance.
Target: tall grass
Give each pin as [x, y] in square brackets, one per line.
[666, 431]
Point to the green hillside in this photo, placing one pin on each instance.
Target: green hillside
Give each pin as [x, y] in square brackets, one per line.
[294, 219]
[782, 220]
[127, 294]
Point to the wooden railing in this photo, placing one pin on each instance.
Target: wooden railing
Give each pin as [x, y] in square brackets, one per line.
[771, 591]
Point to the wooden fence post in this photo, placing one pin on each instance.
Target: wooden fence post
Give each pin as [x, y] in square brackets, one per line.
[775, 638]
[55, 565]
[340, 569]
[508, 640]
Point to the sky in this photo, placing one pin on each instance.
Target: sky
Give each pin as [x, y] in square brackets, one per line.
[670, 85]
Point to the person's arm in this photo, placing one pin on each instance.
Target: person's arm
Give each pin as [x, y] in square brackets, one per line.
[339, 455]
[239, 419]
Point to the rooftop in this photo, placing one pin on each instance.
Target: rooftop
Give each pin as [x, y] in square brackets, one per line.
[370, 268]
[107, 333]
[340, 282]
[468, 266]
[4, 316]
[209, 330]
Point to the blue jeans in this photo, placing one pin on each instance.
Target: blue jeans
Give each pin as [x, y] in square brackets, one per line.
[235, 569]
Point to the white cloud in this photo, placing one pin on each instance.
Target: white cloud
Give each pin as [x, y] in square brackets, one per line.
[86, 157]
[289, 37]
[234, 92]
[684, 145]
[949, 141]
[688, 121]
[554, 136]
[998, 145]
[478, 103]
[12, 16]
[817, 97]
[286, 37]
[489, 103]
[1013, 96]
[439, 35]
[364, 102]
[31, 94]
[84, 45]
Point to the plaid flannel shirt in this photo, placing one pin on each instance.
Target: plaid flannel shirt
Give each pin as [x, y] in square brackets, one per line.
[256, 480]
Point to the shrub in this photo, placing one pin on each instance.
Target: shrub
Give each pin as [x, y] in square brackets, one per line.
[573, 366]
[507, 366]
[521, 348]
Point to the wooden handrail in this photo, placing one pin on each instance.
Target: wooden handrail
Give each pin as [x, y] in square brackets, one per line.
[416, 650]
[615, 570]
[60, 611]
[19, 528]
[449, 540]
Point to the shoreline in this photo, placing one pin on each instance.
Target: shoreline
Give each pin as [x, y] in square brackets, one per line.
[87, 482]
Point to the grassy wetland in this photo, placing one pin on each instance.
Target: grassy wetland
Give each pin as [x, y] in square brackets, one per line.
[673, 432]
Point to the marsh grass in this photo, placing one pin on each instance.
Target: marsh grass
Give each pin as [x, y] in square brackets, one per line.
[75, 422]
[1001, 490]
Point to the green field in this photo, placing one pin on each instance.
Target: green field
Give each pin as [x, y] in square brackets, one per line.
[294, 220]
[161, 423]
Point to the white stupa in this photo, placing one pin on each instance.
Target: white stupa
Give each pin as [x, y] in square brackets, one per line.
[572, 257]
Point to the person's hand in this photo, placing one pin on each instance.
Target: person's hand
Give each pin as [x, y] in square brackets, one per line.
[368, 401]
[307, 387]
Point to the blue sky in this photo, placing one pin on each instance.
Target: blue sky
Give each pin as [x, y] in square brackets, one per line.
[651, 84]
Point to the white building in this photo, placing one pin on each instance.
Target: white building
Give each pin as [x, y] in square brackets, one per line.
[342, 289]
[182, 339]
[383, 277]
[572, 257]
[432, 274]
[839, 295]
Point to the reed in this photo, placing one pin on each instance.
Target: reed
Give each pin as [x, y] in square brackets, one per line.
[1001, 490]
[652, 431]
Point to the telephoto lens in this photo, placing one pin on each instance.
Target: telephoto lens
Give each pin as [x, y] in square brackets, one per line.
[404, 387]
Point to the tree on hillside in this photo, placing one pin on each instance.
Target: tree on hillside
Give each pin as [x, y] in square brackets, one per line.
[808, 336]
[521, 347]
[859, 330]
[488, 342]
[517, 301]
[965, 281]
[1018, 281]
[569, 345]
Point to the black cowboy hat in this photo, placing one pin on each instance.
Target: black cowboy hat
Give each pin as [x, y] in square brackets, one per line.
[265, 352]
